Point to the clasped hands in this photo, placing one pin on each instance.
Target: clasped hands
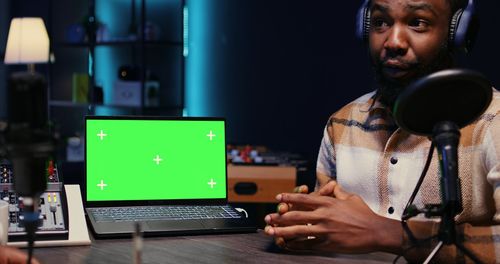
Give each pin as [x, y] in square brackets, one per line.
[330, 219]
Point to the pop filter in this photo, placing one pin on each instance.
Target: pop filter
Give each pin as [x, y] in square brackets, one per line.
[455, 95]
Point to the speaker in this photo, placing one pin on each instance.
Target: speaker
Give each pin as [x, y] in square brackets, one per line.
[463, 27]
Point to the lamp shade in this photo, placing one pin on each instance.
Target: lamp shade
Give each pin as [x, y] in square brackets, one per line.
[28, 41]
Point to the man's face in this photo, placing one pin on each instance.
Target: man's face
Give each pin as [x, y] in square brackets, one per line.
[408, 39]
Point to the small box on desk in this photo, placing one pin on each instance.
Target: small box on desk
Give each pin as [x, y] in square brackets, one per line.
[261, 184]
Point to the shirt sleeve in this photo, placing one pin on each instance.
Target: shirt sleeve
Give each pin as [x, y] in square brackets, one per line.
[326, 157]
[491, 159]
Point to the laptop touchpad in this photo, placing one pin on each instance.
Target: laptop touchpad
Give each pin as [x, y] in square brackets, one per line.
[174, 225]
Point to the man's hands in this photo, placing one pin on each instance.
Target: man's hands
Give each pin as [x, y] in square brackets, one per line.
[9, 255]
[331, 220]
[285, 207]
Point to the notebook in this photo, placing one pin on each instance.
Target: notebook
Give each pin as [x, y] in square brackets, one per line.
[150, 170]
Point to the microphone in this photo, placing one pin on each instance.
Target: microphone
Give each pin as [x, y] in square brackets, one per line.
[456, 95]
[28, 144]
[437, 106]
[28, 141]
[29, 161]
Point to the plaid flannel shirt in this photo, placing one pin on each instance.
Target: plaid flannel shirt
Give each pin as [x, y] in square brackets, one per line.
[369, 155]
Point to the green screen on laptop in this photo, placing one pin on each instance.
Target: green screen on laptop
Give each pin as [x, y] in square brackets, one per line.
[131, 159]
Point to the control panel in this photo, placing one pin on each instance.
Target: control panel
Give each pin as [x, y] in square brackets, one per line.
[53, 223]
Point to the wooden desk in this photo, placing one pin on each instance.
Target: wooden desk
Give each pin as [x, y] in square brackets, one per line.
[234, 248]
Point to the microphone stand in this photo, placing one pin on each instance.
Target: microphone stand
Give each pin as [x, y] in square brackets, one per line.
[446, 136]
[436, 106]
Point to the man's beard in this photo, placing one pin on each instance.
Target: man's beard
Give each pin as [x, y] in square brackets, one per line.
[389, 90]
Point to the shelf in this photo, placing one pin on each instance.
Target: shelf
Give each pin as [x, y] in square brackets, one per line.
[62, 103]
[121, 43]
[101, 56]
[67, 104]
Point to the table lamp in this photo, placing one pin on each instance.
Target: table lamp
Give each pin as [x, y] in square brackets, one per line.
[27, 43]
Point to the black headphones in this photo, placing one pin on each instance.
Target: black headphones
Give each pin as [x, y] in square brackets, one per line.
[464, 26]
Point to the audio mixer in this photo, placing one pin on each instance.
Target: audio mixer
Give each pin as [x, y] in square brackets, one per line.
[53, 222]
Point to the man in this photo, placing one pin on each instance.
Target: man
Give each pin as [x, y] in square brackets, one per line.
[367, 166]
[10, 255]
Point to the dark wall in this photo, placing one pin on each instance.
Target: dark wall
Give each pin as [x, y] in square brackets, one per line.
[277, 69]
[4, 27]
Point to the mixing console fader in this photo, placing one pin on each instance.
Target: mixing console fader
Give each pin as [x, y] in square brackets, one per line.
[53, 222]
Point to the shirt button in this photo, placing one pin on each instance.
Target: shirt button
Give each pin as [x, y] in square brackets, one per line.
[390, 210]
[394, 160]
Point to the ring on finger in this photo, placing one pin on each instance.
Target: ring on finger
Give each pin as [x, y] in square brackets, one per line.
[309, 229]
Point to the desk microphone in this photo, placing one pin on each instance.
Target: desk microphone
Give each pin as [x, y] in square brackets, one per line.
[437, 106]
[27, 143]
[29, 160]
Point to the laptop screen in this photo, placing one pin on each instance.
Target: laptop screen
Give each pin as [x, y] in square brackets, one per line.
[139, 158]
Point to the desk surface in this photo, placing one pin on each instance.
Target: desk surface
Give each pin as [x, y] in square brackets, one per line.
[233, 248]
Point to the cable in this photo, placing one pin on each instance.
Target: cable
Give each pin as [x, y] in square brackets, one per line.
[31, 245]
[419, 183]
[242, 210]
[418, 243]
[30, 226]
[409, 210]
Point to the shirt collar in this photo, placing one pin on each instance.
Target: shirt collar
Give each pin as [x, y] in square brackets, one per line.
[373, 105]
[376, 110]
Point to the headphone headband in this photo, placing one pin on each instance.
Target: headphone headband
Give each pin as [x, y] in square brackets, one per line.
[463, 28]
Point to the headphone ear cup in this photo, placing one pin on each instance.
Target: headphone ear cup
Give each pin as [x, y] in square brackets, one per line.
[464, 27]
[366, 24]
[363, 21]
[455, 20]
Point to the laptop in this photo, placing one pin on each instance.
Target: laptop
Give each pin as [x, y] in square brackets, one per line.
[168, 174]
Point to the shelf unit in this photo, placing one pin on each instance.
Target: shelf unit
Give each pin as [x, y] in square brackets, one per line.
[120, 43]
[140, 50]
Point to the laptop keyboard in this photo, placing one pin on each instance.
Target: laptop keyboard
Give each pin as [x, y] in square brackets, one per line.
[143, 213]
